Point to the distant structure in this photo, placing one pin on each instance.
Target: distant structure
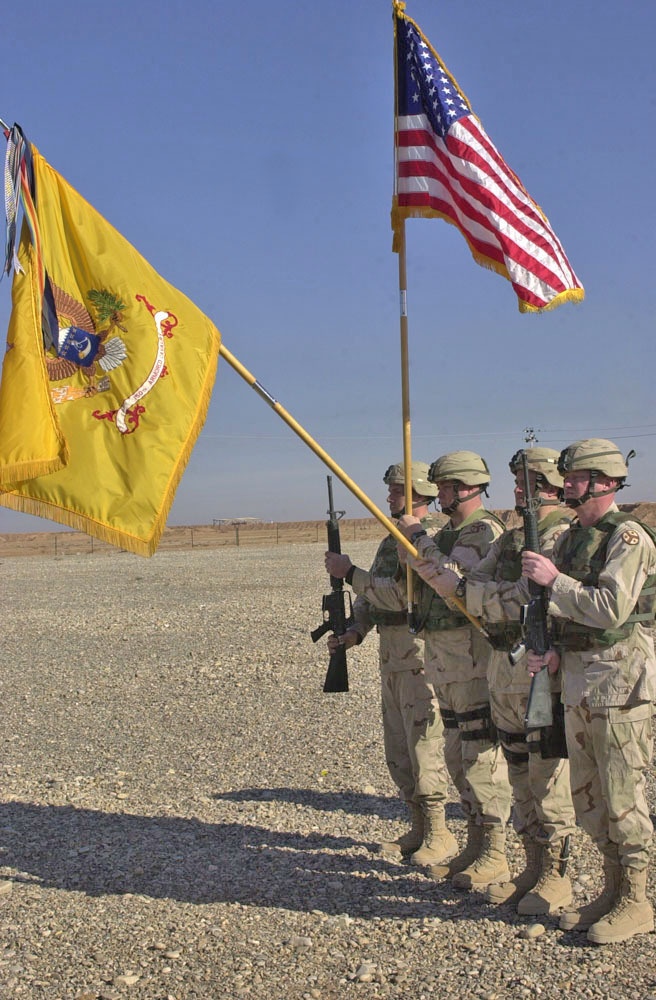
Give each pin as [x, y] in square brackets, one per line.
[235, 520]
[531, 436]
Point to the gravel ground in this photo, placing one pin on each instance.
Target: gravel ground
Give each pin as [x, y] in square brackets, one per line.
[184, 813]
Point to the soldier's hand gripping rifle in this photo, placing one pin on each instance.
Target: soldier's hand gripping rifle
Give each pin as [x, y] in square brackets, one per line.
[333, 606]
[533, 617]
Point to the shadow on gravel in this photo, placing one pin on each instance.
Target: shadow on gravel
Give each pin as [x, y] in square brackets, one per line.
[349, 802]
[161, 857]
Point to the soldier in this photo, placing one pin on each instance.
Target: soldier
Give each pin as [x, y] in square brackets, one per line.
[602, 576]
[455, 660]
[543, 814]
[458, 655]
[412, 730]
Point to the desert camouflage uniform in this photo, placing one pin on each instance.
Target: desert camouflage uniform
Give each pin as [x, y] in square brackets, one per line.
[412, 728]
[608, 686]
[543, 814]
[456, 663]
[457, 658]
[542, 807]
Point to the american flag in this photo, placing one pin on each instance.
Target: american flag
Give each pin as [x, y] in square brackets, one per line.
[447, 167]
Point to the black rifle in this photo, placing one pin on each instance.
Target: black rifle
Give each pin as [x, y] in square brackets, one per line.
[533, 617]
[333, 606]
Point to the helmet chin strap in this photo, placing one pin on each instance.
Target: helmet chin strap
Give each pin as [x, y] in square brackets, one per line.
[541, 501]
[422, 501]
[573, 502]
[419, 502]
[457, 499]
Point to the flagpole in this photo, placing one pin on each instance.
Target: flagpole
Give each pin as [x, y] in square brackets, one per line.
[405, 363]
[405, 407]
[327, 460]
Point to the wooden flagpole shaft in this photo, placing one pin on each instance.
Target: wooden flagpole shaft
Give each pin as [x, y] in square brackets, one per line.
[327, 460]
[405, 404]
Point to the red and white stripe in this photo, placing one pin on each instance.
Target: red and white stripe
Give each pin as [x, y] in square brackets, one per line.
[464, 179]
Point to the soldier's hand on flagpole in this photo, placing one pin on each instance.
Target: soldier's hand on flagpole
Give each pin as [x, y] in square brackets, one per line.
[337, 565]
[408, 525]
[538, 568]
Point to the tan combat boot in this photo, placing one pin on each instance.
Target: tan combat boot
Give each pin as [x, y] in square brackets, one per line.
[439, 843]
[553, 889]
[631, 914]
[585, 916]
[490, 865]
[469, 853]
[516, 888]
[409, 841]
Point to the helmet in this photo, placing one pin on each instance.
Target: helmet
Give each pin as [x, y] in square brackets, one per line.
[465, 466]
[594, 454]
[543, 461]
[395, 474]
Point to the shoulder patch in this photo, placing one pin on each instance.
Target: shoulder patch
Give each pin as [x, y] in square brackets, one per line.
[478, 526]
[630, 536]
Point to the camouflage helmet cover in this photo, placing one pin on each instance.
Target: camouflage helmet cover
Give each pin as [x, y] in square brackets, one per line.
[544, 461]
[420, 483]
[596, 454]
[465, 466]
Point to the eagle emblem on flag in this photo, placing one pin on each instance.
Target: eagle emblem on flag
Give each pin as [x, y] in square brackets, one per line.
[82, 347]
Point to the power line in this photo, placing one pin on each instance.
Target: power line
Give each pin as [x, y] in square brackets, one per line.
[443, 435]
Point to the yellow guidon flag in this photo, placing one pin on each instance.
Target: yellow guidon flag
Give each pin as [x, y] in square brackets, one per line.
[108, 371]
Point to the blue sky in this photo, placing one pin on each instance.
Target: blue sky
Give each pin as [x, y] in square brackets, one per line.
[246, 151]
